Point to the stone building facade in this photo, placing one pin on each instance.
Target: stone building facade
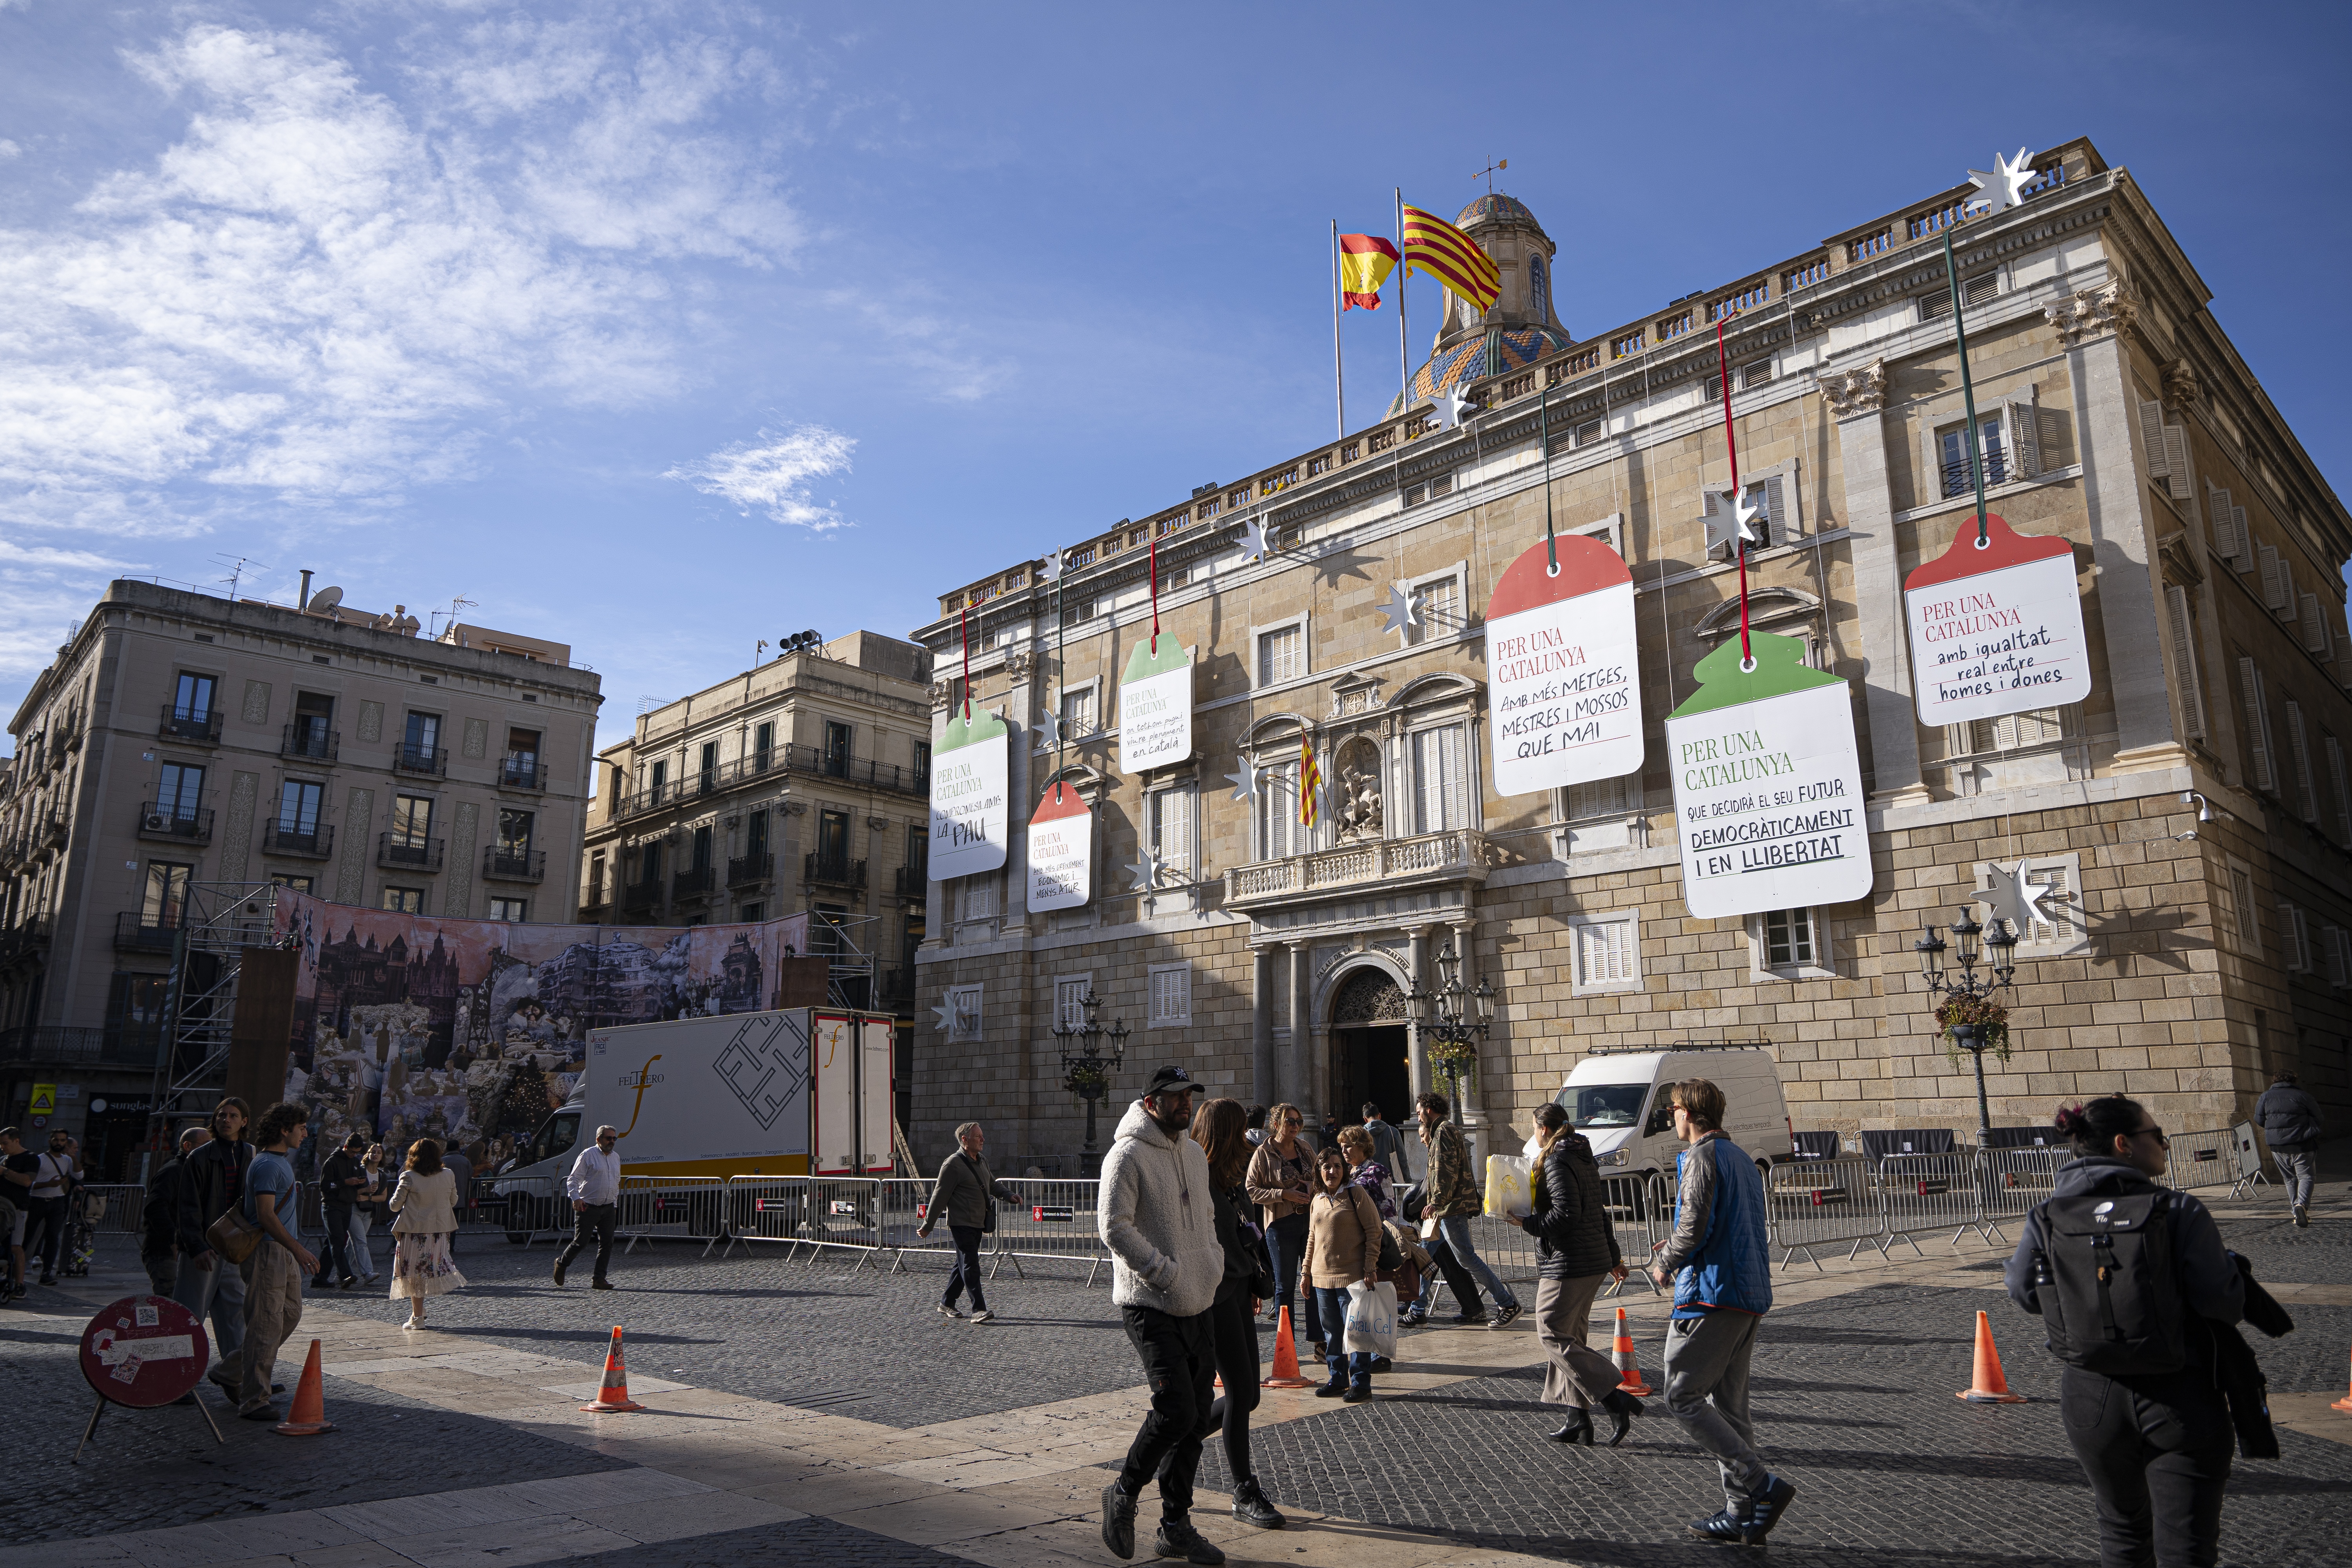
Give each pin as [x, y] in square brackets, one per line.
[181, 744]
[2188, 822]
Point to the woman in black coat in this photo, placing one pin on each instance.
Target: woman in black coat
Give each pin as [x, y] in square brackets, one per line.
[1576, 1254]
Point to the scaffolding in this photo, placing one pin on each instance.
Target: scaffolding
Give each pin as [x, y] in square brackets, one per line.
[217, 921]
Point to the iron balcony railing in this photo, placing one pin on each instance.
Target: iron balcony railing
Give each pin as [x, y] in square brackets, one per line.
[785, 759]
[914, 881]
[23, 938]
[130, 1045]
[742, 869]
[521, 770]
[183, 824]
[433, 760]
[136, 932]
[834, 870]
[641, 895]
[202, 725]
[404, 853]
[693, 880]
[314, 742]
[505, 865]
[314, 843]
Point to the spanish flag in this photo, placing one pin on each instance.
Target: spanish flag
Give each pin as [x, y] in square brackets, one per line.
[1310, 783]
[1444, 252]
[1364, 263]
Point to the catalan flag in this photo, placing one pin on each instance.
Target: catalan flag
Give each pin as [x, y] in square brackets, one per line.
[1310, 783]
[1444, 252]
[1365, 260]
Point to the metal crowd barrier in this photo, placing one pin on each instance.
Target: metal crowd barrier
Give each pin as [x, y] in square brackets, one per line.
[1825, 1203]
[524, 1207]
[687, 1207]
[2011, 1182]
[2203, 1160]
[2248, 1154]
[1052, 1220]
[1918, 1193]
[119, 1207]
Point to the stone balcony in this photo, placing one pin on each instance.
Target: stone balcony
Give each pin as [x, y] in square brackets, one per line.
[1388, 865]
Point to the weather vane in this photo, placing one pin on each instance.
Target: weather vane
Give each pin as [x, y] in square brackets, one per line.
[1490, 171]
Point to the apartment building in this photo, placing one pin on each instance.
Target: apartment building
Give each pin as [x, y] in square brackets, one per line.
[2186, 824]
[797, 785]
[183, 745]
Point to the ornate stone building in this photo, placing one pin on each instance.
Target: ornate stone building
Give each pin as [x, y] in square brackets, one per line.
[2187, 824]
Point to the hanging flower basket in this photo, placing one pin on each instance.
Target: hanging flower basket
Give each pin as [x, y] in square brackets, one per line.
[1989, 1018]
[1087, 1080]
[1459, 1056]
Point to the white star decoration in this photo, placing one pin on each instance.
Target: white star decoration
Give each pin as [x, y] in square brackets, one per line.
[1253, 540]
[2008, 895]
[1052, 570]
[1451, 408]
[1049, 729]
[1145, 870]
[1244, 783]
[1728, 522]
[946, 1014]
[1401, 610]
[2006, 186]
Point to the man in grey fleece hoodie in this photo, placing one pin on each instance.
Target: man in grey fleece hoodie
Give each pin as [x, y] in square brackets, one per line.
[1157, 1217]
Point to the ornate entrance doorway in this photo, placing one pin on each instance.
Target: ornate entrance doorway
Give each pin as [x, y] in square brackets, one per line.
[1370, 1048]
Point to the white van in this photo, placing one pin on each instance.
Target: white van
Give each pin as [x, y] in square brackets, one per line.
[1617, 1098]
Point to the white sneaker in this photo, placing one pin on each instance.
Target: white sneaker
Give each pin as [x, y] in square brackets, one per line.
[984, 1315]
[948, 1312]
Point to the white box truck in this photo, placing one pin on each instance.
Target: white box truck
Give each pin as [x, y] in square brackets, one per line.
[796, 1091]
[1617, 1098]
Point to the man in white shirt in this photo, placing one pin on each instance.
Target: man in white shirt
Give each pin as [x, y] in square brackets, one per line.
[55, 1174]
[595, 1185]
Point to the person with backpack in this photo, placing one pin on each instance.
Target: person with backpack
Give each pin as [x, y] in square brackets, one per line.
[2127, 1275]
[2290, 1121]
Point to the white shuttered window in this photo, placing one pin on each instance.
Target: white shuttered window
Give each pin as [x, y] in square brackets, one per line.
[1440, 791]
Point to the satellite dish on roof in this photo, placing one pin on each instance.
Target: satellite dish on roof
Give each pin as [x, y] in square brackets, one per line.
[325, 599]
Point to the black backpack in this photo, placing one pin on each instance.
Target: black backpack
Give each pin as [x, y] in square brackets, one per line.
[2110, 1298]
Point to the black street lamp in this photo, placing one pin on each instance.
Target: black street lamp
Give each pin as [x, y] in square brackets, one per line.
[1461, 1025]
[1086, 1072]
[1967, 998]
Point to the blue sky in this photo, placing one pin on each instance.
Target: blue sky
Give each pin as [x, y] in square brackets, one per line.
[660, 329]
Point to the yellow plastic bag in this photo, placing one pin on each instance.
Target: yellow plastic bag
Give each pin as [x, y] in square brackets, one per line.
[1507, 1180]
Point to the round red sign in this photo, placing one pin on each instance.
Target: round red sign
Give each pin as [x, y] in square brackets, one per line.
[144, 1350]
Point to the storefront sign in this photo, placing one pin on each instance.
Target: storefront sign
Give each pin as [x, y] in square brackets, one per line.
[1155, 708]
[1563, 670]
[971, 795]
[1997, 629]
[1061, 850]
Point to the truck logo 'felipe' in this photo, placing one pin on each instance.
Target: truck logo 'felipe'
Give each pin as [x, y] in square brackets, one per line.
[639, 1079]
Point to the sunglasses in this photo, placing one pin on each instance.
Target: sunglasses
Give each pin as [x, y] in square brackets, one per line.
[2156, 1132]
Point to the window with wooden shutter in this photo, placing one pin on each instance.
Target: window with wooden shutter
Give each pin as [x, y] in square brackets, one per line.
[2151, 432]
[1440, 793]
[2307, 790]
[1603, 798]
[2337, 943]
[2258, 725]
[2229, 539]
[2340, 790]
[2184, 661]
[2175, 461]
[1069, 1002]
[2238, 918]
[1278, 832]
[1171, 830]
[2278, 583]
[2316, 635]
[2295, 938]
[1608, 954]
[2024, 435]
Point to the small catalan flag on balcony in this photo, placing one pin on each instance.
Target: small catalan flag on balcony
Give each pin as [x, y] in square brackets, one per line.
[1437, 249]
[1365, 261]
[1310, 783]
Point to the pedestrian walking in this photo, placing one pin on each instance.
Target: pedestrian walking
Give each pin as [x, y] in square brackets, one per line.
[423, 1207]
[1440, 1264]
[340, 1178]
[1218, 1127]
[1720, 1267]
[56, 1170]
[967, 1191]
[1255, 1133]
[17, 1168]
[367, 1207]
[1280, 1181]
[2128, 1317]
[1355, 1146]
[1453, 1196]
[1157, 1217]
[1576, 1254]
[167, 1224]
[210, 1285]
[1388, 1144]
[2292, 1126]
[594, 1188]
[1343, 1248]
[274, 1270]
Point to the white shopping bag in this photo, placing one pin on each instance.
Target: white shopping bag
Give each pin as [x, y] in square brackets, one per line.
[1507, 1180]
[1371, 1318]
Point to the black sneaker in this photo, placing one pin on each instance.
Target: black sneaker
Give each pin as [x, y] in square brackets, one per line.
[1724, 1528]
[1508, 1316]
[1470, 1320]
[48, 1279]
[1412, 1318]
[258, 1413]
[1764, 1509]
[559, 1271]
[1331, 1390]
[1179, 1540]
[1251, 1508]
[1119, 1521]
[602, 1284]
[1357, 1394]
[1382, 1364]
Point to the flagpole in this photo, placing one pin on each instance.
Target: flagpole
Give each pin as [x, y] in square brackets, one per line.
[1338, 367]
[1404, 278]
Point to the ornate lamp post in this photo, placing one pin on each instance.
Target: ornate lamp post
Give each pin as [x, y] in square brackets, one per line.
[1971, 1020]
[1463, 1020]
[1086, 1072]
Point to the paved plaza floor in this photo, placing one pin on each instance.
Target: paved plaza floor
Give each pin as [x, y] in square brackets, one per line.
[825, 1414]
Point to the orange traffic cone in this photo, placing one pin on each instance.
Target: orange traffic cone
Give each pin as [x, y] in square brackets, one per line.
[2344, 1404]
[614, 1393]
[1986, 1385]
[308, 1417]
[1285, 1359]
[1629, 1365]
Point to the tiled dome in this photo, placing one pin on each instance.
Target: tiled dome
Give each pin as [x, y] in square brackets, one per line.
[1498, 209]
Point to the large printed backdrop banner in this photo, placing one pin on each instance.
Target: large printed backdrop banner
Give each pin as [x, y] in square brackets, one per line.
[465, 1031]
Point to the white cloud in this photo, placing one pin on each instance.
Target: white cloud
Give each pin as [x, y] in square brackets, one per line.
[932, 346]
[771, 474]
[9, 150]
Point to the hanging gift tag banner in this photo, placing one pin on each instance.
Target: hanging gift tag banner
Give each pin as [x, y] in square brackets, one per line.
[1061, 850]
[1563, 670]
[1768, 785]
[1998, 628]
[971, 789]
[1155, 708]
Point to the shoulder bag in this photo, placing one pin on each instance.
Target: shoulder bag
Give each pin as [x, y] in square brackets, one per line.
[233, 1236]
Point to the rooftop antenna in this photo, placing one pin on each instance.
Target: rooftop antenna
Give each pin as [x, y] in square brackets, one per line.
[1490, 171]
[237, 570]
[455, 604]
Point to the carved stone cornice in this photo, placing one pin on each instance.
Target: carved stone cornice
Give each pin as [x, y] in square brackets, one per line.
[1861, 390]
[942, 691]
[1019, 663]
[2089, 313]
[2181, 387]
[2179, 562]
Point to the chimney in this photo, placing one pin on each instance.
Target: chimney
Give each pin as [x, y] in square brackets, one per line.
[303, 603]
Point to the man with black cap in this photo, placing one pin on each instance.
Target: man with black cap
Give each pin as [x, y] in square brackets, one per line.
[1157, 1217]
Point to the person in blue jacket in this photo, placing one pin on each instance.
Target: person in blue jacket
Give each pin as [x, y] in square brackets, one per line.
[1719, 1263]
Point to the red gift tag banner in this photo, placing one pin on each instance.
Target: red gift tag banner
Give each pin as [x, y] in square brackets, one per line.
[1996, 626]
[1563, 668]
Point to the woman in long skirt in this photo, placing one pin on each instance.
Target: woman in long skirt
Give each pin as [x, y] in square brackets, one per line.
[424, 1205]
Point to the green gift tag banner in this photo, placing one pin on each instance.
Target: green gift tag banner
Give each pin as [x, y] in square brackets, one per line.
[1780, 668]
[982, 726]
[1141, 664]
